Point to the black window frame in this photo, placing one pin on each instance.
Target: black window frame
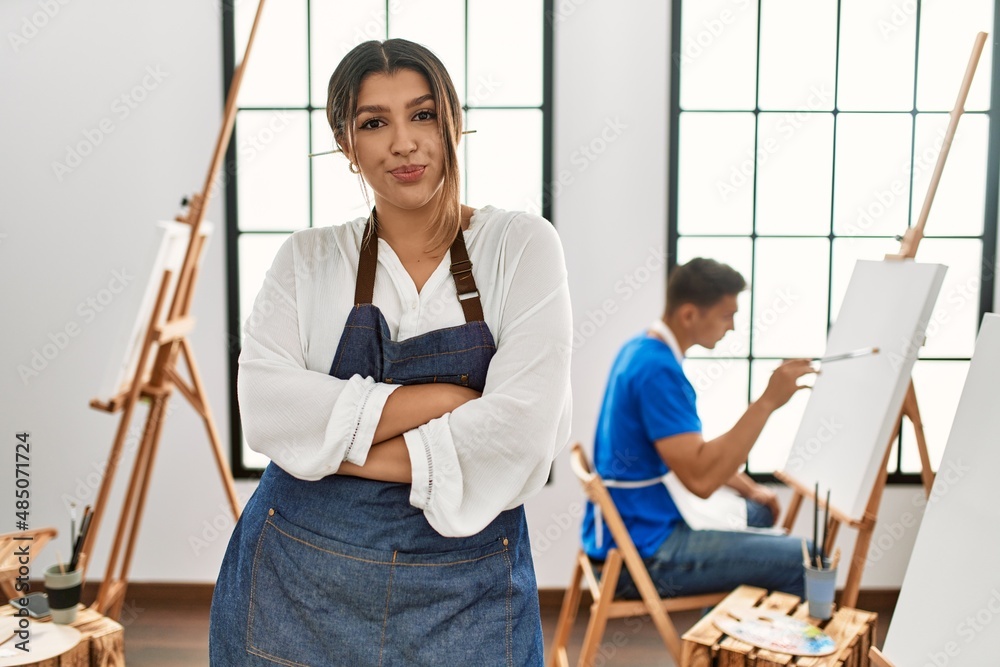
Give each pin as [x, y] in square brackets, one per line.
[990, 221]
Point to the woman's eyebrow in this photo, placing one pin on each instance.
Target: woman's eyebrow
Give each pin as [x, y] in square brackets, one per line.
[378, 108]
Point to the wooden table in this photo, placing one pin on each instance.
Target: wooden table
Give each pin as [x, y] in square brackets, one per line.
[705, 645]
[102, 644]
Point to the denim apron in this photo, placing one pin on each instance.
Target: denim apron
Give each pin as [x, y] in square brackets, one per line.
[344, 571]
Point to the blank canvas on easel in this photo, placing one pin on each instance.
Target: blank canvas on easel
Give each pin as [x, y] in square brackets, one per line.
[948, 611]
[165, 253]
[855, 403]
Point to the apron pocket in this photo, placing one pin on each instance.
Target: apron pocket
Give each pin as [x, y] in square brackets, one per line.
[313, 597]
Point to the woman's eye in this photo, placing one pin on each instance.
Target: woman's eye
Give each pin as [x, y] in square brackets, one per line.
[424, 114]
[371, 124]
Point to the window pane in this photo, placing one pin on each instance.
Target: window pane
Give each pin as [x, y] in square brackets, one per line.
[775, 441]
[336, 28]
[955, 322]
[337, 193]
[498, 74]
[872, 187]
[790, 296]
[958, 206]
[715, 173]
[277, 69]
[947, 32]
[273, 169]
[794, 173]
[257, 253]
[437, 24]
[513, 185]
[718, 54]
[938, 385]
[798, 48]
[877, 51]
[721, 385]
[737, 253]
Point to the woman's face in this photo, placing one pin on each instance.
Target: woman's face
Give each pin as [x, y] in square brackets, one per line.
[397, 144]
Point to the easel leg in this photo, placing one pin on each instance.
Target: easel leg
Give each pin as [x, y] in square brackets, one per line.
[110, 595]
[793, 511]
[912, 411]
[202, 407]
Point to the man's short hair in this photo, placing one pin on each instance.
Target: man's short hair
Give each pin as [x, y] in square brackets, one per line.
[702, 282]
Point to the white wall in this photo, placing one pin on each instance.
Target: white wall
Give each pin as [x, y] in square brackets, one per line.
[62, 239]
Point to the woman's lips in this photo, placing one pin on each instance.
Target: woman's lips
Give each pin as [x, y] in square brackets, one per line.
[408, 173]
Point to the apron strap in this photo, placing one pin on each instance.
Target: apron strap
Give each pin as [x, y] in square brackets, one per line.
[465, 283]
[461, 271]
[367, 263]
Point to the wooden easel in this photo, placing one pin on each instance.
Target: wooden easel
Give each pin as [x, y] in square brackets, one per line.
[865, 525]
[163, 343]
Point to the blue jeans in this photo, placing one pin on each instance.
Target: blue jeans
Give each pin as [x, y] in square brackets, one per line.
[690, 562]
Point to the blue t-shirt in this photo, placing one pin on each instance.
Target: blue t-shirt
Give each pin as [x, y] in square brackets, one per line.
[648, 397]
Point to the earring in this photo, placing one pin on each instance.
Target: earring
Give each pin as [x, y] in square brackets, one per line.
[354, 168]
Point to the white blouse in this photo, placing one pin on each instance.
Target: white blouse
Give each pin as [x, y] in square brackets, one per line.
[488, 455]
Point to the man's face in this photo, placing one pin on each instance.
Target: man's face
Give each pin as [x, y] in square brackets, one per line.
[711, 324]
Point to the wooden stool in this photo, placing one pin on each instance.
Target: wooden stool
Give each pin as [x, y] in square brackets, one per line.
[102, 643]
[705, 645]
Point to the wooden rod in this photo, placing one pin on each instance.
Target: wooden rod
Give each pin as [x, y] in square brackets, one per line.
[199, 202]
[911, 239]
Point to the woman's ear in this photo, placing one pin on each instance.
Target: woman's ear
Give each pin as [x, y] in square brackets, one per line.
[344, 147]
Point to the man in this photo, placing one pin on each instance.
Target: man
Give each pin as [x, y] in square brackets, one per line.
[649, 425]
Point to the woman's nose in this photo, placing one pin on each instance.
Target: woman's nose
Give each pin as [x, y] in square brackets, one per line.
[403, 142]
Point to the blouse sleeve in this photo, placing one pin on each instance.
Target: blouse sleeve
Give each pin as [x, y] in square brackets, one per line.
[306, 421]
[494, 452]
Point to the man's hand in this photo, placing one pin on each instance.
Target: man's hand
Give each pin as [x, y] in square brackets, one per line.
[784, 382]
[766, 497]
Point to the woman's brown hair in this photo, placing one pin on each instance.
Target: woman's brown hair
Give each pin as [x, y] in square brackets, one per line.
[389, 57]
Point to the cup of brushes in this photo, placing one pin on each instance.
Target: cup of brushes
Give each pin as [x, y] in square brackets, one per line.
[64, 581]
[820, 569]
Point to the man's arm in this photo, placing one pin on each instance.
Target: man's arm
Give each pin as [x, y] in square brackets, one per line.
[703, 466]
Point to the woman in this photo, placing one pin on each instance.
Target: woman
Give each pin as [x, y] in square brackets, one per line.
[408, 376]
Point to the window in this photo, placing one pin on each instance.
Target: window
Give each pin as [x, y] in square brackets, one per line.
[804, 140]
[499, 56]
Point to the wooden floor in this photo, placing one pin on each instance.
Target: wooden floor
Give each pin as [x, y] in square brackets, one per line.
[170, 635]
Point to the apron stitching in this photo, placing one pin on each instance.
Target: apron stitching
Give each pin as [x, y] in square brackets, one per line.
[274, 658]
[510, 592]
[392, 562]
[340, 349]
[253, 585]
[441, 354]
[250, 648]
[385, 618]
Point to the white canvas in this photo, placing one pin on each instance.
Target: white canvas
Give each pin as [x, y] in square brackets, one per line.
[949, 605]
[165, 252]
[855, 403]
